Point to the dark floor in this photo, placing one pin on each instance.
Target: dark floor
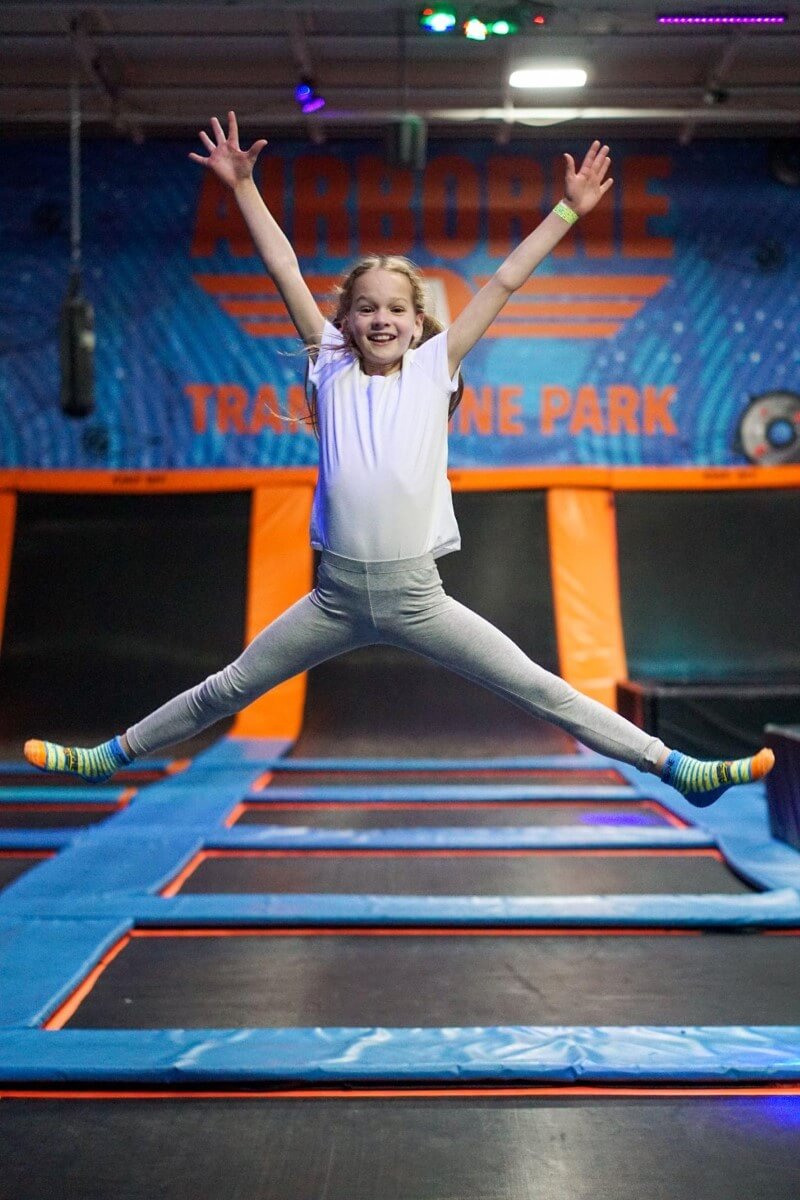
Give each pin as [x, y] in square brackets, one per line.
[380, 979]
[16, 864]
[452, 874]
[62, 816]
[430, 813]
[734, 1148]
[572, 777]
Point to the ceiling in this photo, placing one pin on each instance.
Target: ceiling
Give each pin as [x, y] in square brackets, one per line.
[163, 69]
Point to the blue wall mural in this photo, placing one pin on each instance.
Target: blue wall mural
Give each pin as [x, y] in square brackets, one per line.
[664, 330]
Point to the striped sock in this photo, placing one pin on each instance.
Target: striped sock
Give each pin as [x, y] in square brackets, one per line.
[95, 765]
[704, 782]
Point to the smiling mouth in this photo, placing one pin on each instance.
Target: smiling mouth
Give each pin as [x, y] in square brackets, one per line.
[380, 339]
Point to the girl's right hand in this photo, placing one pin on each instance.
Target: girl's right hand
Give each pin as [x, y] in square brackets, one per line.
[226, 159]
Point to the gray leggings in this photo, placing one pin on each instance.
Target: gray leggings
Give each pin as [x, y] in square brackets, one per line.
[397, 603]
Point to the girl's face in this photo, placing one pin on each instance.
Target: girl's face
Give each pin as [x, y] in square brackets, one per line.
[382, 320]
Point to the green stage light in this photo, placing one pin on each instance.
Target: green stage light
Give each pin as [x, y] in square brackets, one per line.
[502, 27]
[437, 18]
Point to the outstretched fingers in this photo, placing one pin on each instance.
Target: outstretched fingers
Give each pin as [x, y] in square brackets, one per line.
[590, 156]
[209, 145]
[601, 165]
[225, 156]
[256, 149]
[596, 157]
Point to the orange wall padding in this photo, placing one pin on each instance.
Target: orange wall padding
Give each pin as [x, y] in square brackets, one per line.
[280, 571]
[583, 567]
[8, 514]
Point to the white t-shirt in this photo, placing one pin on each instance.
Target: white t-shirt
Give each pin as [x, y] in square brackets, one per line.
[382, 491]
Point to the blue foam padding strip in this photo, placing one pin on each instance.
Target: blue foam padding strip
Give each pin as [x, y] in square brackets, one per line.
[522, 1054]
[42, 962]
[555, 762]
[194, 802]
[352, 794]
[775, 910]
[65, 795]
[506, 837]
[127, 863]
[37, 839]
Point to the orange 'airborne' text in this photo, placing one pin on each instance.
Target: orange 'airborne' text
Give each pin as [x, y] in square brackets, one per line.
[341, 208]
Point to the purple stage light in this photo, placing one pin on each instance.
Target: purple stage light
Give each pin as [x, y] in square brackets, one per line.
[312, 105]
[722, 19]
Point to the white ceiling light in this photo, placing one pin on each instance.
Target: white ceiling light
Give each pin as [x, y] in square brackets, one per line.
[547, 77]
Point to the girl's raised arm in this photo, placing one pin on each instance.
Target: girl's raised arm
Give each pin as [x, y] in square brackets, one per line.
[234, 167]
[582, 190]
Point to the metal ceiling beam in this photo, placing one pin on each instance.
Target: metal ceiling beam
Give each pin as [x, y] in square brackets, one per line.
[524, 116]
[105, 72]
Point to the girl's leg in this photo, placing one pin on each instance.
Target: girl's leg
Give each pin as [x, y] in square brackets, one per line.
[457, 638]
[306, 634]
[460, 639]
[298, 639]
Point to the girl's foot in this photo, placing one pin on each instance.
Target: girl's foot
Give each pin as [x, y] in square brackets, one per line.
[704, 782]
[95, 765]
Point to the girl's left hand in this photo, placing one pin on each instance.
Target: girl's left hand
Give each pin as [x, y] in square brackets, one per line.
[583, 188]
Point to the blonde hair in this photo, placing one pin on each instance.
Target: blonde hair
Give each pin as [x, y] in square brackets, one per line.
[344, 300]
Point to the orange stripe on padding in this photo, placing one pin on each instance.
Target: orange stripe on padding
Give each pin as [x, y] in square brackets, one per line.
[280, 572]
[583, 565]
[383, 931]
[36, 855]
[67, 1010]
[444, 1092]
[177, 765]
[492, 852]
[8, 514]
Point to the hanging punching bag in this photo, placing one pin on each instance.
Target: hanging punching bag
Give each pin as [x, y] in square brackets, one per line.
[77, 352]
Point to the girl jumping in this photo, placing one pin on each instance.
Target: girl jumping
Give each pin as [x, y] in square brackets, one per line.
[384, 380]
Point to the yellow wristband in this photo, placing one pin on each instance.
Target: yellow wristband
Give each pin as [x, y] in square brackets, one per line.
[565, 212]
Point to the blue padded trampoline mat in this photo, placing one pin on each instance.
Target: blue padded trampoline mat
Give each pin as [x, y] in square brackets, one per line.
[58, 921]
